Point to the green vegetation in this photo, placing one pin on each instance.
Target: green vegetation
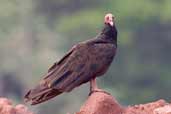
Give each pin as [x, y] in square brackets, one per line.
[35, 34]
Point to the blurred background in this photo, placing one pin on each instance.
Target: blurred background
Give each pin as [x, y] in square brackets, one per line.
[36, 33]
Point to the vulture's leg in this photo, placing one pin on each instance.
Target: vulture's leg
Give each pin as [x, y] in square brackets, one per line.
[94, 87]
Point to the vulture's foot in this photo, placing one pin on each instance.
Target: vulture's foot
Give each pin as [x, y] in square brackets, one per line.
[98, 90]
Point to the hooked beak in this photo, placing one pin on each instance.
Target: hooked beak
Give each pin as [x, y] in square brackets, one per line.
[111, 23]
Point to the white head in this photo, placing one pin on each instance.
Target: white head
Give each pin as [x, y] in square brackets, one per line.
[109, 19]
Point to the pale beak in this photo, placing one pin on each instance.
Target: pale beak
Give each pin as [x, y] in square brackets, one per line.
[111, 23]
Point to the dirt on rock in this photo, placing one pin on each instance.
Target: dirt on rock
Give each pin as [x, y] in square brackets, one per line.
[102, 103]
[98, 103]
[6, 107]
[157, 107]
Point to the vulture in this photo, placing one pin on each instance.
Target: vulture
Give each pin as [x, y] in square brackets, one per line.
[82, 63]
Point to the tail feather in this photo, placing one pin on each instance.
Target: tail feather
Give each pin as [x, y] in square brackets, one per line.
[39, 95]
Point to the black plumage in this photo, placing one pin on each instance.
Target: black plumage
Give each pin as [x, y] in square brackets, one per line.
[84, 62]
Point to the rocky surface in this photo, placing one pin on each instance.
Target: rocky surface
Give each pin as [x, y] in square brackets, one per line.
[102, 103]
[6, 107]
[97, 103]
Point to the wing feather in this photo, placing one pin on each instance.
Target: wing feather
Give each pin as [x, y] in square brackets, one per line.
[83, 62]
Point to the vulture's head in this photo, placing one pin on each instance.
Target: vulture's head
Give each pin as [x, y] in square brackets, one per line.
[109, 19]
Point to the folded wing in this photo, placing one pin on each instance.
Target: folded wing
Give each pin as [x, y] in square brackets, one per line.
[78, 66]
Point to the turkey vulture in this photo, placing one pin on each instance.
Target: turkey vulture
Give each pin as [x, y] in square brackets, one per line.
[84, 62]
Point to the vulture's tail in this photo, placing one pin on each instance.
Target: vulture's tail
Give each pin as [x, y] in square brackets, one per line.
[40, 94]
